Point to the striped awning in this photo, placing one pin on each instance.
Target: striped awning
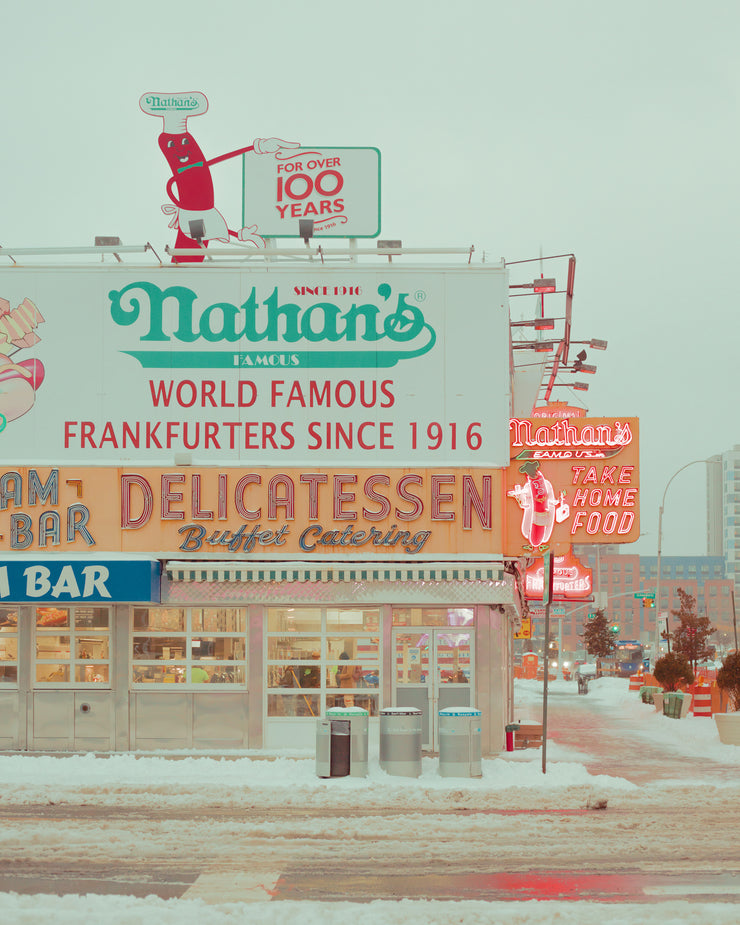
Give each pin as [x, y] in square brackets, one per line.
[334, 571]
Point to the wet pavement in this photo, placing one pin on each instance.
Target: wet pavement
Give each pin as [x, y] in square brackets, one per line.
[611, 747]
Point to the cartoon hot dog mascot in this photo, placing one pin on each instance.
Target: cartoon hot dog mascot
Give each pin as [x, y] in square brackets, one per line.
[190, 188]
[538, 503]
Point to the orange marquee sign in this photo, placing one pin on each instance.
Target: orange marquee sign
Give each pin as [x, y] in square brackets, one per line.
[571, 481]
[196, 512]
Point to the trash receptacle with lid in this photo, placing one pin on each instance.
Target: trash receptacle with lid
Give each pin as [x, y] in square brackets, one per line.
[400, 741]
[460, 742]
[358, 720]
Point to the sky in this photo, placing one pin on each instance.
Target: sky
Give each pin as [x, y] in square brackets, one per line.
[606, 131]
[510, 781]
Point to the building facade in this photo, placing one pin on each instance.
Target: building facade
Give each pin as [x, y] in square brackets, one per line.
[723, 511]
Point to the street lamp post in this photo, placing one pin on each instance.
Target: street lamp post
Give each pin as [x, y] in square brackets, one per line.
[658, 612]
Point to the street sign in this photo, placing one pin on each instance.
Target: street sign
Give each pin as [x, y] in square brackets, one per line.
[648, 594]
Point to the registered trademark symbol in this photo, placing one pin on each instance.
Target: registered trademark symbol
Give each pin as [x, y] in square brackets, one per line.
[420, 295]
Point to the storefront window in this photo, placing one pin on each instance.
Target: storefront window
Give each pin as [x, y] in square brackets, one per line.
[8, 645]
[78, 655]
[293, 619]
[433, 616]
[198, 645]
[334, 652]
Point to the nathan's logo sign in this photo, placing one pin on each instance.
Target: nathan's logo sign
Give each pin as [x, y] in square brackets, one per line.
[572, 481]
[289, 334]
[568, 439]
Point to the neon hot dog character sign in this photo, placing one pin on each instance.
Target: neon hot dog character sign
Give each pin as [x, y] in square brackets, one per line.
[540, 508]
[190, 188]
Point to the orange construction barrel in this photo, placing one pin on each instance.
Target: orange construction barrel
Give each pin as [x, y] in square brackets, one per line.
[703, 700]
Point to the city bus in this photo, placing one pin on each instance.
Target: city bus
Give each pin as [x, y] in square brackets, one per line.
[628, 657]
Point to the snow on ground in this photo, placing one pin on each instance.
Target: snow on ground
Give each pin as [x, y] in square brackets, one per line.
[124, 910]
[288, 779]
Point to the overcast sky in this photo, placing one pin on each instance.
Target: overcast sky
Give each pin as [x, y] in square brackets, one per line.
[605, 130]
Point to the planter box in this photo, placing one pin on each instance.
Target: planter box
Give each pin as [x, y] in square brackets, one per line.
[676, 704]
[648, 692]
[658, 701]
[728, 727]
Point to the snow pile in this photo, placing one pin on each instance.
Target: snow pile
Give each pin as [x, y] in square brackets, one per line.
[126, 910]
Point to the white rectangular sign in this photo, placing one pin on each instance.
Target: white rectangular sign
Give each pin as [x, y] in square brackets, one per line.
[337, 188]
[284, 366]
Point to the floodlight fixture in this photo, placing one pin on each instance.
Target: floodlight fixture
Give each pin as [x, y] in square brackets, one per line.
[197, 229]
[305, 229]
[544, 285]
[580, 386]
[107, 241]
[597, 344]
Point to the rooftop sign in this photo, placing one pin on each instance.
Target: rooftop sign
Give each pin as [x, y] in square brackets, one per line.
[273, 366]
[338, 189]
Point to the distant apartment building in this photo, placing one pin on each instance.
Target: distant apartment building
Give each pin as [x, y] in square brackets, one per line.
[723, 511]
[619, 578]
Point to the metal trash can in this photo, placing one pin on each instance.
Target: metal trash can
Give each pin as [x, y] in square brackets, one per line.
[460, 742]
[582, 684]
[400, 741]
[358, 720]
[332, 748]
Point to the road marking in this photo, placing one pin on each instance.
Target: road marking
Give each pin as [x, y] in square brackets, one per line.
[235, 886]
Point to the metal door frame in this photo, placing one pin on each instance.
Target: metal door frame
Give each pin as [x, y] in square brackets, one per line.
[432, 687]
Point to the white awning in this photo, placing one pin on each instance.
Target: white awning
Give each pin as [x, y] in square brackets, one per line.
[333, 571]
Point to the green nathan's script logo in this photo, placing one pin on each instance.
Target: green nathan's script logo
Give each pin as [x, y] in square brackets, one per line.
[291, 334]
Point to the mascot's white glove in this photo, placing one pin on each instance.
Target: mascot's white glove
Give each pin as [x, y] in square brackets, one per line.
[272, 145]
[248, 234]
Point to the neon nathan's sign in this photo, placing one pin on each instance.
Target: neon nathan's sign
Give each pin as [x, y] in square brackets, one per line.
[568, 439]
[292, 333]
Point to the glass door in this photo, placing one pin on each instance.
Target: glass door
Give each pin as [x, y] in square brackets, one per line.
[433, 670]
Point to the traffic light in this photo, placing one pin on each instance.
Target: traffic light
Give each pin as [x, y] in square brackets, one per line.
[614, 628]
[648, 602]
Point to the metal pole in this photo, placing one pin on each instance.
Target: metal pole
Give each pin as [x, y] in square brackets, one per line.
[656, 654]
[544, 690]
[547, 597]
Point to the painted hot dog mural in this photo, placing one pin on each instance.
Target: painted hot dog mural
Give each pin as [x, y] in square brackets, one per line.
[537, 500]
[190, 188]
[19, 378]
